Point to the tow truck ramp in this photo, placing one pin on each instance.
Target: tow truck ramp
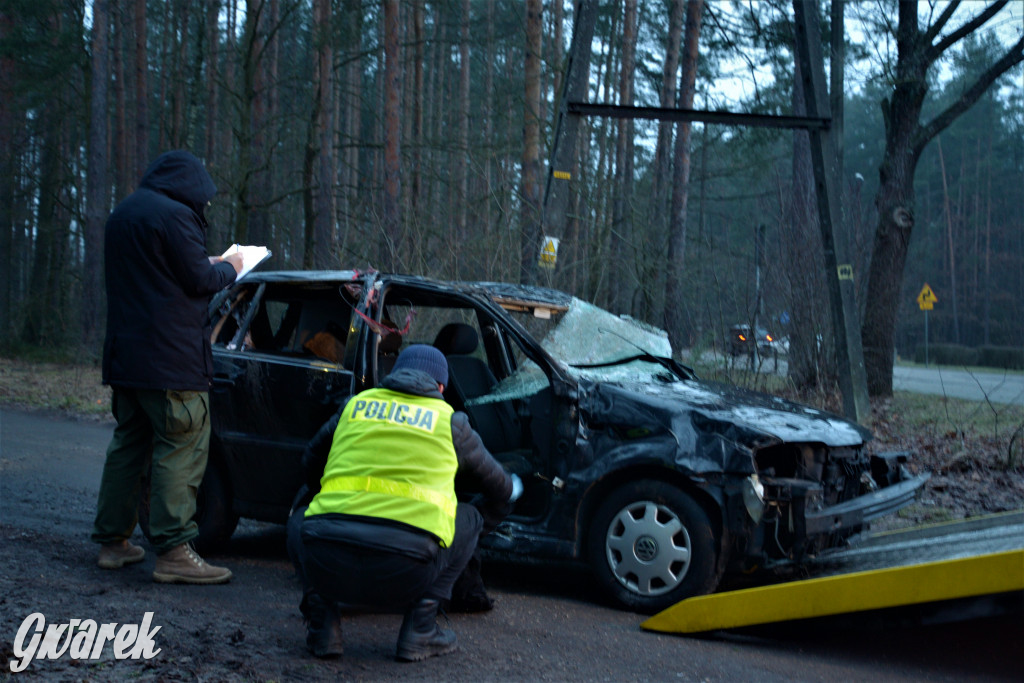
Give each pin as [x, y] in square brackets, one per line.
[965, 559]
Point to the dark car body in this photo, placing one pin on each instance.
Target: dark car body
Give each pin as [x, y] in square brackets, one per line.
[661, 482]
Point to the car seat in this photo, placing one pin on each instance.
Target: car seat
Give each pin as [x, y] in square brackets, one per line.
[469, 378]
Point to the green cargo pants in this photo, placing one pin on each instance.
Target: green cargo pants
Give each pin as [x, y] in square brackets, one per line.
[171, 430]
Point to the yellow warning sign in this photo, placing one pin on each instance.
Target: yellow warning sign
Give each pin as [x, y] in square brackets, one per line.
[562, 175]
[548, 252]
[926, 299]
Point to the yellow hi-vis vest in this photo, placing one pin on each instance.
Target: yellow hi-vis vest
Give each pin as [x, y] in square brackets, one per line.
[392, 457]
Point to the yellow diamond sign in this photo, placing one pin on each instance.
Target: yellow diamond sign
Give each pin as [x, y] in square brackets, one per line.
[926, 299]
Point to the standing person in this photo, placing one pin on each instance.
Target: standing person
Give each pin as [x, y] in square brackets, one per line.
[385, 529]
[157, 360]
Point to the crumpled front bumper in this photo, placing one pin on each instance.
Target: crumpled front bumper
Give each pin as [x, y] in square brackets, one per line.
[810, 518]
[861, 509]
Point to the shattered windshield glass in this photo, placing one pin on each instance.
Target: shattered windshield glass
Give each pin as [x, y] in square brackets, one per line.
[585, 336]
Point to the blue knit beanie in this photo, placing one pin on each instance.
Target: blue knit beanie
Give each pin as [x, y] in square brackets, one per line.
[424, 358]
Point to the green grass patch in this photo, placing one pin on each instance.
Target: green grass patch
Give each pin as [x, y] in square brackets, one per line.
[54, 386]
[944, 414]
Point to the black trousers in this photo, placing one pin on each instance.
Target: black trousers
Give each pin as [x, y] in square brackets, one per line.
[357, 576]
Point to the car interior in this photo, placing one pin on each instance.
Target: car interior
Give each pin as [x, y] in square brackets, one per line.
[479, 356]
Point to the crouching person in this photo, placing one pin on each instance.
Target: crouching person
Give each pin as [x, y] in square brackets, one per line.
[385, 530]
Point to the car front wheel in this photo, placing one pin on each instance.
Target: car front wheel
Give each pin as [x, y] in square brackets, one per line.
[651, 545]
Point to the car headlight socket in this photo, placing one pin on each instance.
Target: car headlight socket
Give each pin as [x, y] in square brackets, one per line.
[753, 498]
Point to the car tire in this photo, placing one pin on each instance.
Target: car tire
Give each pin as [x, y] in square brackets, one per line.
[214, 516]
[216, 519]
[651, 545]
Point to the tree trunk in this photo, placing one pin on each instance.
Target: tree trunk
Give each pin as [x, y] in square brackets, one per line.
[905, 138]
[462, 162]
[667, 98]
[800, 239]
[326, 255]
[393, 250]
[97, 187]
[622, 247]
[212, 69]
[681, 179]
[141, 91]
[119, 143]
[39, 314]
[8, 163]
[530, 183]
[416, 96]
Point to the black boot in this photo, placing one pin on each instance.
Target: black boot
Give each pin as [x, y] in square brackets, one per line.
[323, 627]
[420, 636]
[468, 593]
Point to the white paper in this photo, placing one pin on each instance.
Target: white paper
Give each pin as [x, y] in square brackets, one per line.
[252, 256]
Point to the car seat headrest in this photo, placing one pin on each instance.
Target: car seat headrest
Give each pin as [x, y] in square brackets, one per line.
[456, 339]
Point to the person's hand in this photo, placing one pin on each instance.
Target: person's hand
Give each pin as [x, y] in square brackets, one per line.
[517, 488]
[235, 260]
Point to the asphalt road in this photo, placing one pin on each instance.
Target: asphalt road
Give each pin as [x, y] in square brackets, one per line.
[975, 386]
[548, 624]
[989, 385]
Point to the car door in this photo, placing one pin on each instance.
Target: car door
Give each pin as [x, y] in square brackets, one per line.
[279, 374]
[499, 378]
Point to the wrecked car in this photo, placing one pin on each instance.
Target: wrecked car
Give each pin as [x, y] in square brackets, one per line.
[658, 481]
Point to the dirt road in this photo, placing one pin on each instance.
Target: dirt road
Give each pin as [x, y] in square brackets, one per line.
[546, 626]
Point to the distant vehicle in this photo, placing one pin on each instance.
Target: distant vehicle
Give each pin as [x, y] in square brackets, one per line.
[657, 480]
[742, 341]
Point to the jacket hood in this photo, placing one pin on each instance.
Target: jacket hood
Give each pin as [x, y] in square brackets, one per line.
[182, 177]
[410, 381]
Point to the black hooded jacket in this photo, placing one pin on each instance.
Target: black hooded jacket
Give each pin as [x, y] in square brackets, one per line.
[159, 280]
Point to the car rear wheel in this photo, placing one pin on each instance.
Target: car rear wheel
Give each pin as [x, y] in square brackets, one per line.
[214, 515]
[651, 545]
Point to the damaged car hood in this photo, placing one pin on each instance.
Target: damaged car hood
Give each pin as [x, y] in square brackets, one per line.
[747, 416]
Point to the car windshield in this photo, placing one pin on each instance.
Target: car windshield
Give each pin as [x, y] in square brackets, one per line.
[594, 344]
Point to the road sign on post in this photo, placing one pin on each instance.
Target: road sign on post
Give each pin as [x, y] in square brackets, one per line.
[926, 300]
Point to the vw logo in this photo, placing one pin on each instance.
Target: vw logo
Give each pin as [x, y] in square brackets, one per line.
[645, 548]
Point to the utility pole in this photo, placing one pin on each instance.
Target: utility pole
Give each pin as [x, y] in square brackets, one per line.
[563, 164]
[842, 292]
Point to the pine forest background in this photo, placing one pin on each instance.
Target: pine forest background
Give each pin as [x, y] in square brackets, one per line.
[414, 136]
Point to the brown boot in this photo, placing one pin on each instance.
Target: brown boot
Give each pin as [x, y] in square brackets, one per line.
[118, 554]
[181, 564]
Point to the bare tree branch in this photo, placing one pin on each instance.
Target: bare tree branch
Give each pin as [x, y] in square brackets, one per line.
[927, 132]
[977, 22]
[936, 28]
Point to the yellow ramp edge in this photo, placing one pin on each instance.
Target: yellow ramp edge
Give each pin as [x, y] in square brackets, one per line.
[860, 591]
